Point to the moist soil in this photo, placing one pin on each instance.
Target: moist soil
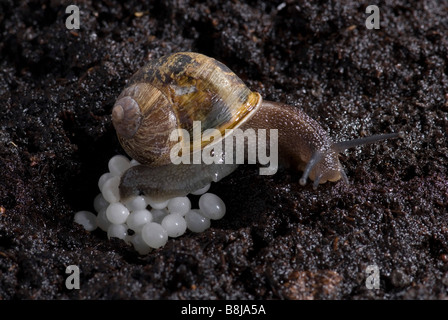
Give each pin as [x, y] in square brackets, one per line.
[278, 240]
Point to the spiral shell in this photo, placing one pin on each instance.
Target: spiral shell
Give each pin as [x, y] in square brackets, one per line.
[170, 93]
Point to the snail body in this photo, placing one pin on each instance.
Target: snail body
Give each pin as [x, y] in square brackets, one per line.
[178, 90]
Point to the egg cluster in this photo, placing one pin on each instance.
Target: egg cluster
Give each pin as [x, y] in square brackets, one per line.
[142, 221]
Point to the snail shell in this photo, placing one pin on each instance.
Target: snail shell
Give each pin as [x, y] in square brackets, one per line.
[172, 92]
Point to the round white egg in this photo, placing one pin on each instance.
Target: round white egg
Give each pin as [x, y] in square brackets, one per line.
[174, 224]
[136, 203]
[119, 231]
[117, 213]
[180, 205]
[118, 164]
[212, 206]
[102, 221]
[110, 190]
[155, 204]
[87, 219]
[196, 222]
[137, 219]
[154, 235]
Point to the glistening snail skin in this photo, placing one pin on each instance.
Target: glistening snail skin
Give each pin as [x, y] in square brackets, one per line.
[175, 90]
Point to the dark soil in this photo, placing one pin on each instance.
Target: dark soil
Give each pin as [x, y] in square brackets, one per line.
[278, 240]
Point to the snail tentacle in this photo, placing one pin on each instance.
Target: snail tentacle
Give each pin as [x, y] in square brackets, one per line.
[315, 159]
[344, 145]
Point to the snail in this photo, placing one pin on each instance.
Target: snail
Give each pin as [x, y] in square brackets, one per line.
[176, 90]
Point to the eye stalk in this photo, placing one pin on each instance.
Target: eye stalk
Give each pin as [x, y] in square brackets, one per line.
[344, 145]
[315, 159]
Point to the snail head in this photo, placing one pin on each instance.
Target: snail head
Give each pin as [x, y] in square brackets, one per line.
[324, 164]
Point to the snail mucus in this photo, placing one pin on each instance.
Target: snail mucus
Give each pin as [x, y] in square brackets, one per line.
[179, 90]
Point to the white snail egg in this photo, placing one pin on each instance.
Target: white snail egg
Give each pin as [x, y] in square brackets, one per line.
[110, 190]
[119, 231]
[170, 218]
[158, 215]
[156, 204]
[154, 235]
[118, 164]
[180, 205]
[99, 203]
[102, 221]
[104, 177]
[87, 219]
[139, 244]
[196, 222]
[137, 219]
[117, 213]
[136, 203]
[174, 224]
[212, 206]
